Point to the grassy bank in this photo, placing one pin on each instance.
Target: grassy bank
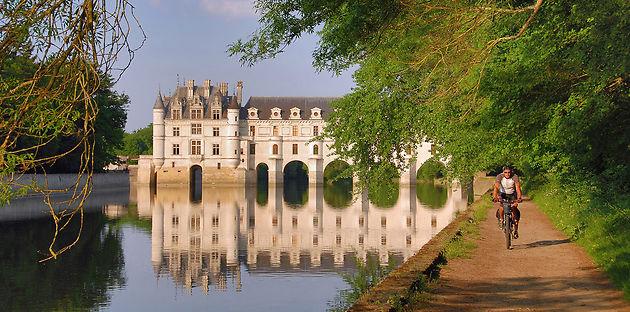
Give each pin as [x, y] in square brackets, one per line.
[597, 222]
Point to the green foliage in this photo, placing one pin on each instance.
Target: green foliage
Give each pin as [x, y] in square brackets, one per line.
[337, 171]
[138, 142]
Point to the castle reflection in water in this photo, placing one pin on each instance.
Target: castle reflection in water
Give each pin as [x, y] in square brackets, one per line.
[207, 242]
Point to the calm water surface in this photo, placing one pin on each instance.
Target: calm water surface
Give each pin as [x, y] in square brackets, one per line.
[213, 249]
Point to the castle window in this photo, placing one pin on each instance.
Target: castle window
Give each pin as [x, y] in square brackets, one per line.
[295, 113]
[315, 149]
[338, 221]
[316, 113]
[216, 114]
[215, 131]
[294, 130]
[274, 149]
[215, 221]
[383, 222]
[215, 149]
[295, 149]
[195, 147]
[315, 130]
[275, 130]
[252, 149]
[175, 149]
[195, 113]
[361, 221]
[252, 130]
[361, 239]
[176, 114]
[253, 113]
[276, 113]
[195, 128]
[315, 240]
[175, 131]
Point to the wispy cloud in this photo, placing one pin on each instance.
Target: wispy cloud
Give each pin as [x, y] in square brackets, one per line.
[233, 8]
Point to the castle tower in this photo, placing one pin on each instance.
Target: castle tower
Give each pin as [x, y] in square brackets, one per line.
[232, 140]
[158, 132]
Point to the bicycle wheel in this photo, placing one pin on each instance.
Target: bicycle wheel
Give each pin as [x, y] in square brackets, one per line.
[507, 229]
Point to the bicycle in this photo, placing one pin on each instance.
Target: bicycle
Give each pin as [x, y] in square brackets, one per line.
[508, 222]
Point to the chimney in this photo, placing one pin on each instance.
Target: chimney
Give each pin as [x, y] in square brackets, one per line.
[224, 88]
[239, 92]
[190, 86]
[206, 88]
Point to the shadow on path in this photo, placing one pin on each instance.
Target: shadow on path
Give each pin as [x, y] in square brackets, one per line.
[529, 293]
[543, 243]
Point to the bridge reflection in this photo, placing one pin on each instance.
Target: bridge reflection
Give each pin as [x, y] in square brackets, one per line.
[211, 242]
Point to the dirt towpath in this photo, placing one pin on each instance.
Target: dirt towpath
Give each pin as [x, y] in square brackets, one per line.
[544, 272]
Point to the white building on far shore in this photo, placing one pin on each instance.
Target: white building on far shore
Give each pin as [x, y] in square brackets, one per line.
[204, 131]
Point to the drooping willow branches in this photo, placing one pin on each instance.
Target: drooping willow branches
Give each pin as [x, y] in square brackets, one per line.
[73, 44]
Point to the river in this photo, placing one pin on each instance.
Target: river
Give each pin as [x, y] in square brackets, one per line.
[220, 249]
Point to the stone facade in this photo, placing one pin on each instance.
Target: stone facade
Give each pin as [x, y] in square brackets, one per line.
[206, 128]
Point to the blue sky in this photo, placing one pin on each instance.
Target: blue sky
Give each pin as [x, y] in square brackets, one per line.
[189, 38]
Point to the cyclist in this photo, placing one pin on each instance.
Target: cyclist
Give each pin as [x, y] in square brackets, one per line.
[507, 186]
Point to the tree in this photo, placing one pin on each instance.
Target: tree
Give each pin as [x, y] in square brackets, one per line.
[138, 142]
[74, 44]
[542, 85]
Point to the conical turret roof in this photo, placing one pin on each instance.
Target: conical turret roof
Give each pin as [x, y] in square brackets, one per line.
[159, 104]
[233, 103]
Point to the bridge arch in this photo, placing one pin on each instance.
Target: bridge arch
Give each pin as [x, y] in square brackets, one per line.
[262, 173]
[334, 169]
[430, 170]
[295, 174]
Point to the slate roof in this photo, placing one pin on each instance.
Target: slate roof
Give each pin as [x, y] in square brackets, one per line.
[181, 94]
[305, 104]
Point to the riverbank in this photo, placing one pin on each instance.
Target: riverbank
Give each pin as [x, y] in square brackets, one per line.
[404, 282]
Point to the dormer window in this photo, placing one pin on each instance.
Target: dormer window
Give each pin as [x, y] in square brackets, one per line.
[216, 113]
[316, 113]
[252, 113]
[276, 113]
[295, 113]
[195, 113]
[176, 114]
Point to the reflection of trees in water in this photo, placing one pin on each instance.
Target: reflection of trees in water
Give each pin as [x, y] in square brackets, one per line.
[79, 280]
[295, 192]
[338, 194]
[296, 183]
[262, 193]
[431, 195]
[384, 195]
